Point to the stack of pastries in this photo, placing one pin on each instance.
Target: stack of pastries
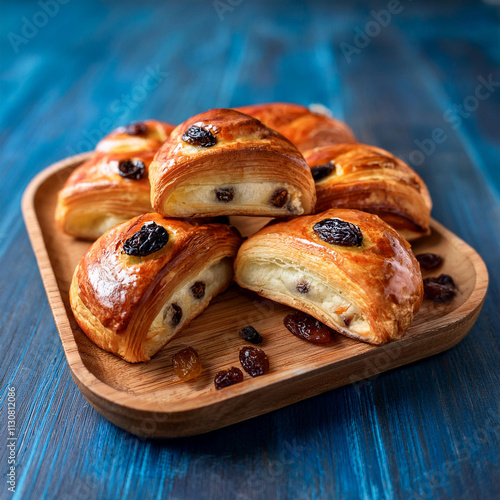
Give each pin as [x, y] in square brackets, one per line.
[337, 248]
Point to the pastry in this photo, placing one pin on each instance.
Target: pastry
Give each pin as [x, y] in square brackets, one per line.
[346, 268]
[144, 280]
[301, 126]
[112, 186]
[373, 180]
[223, 162]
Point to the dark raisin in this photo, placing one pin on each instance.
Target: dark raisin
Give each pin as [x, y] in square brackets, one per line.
[346, 319]
[440, 289]
[302, 287]
[321, 171]
[137, 128]
[225, 194]
[339, 232]
[308, 328]
[187, 364]
[198, 136]
[131, 169]
[254, 361]
[175, 313]
[279, 197]
[250, 334]
[429, 261]
[149, 239]
[198, 289]
[225, 378]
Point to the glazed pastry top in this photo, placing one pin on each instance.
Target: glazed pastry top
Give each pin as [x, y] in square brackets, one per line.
[113, 284]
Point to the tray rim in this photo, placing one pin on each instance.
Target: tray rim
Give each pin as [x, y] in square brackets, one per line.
[97, 391]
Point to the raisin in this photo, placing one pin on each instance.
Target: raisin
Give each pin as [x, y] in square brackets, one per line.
[225, 194]
[254, 361]
[440, 289]
[198, 136]
[279, 197]
[429, 261]
[175, 313]
[321, 171]
[149, 239]
[339, 232]
[346, 319]
[131, 169]
[307, 328]
[198, 289]
[250, 334]
[187, 364]
[137, 128]
[302, 287]
[225, 378]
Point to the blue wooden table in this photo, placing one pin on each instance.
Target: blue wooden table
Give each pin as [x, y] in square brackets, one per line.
[419, 79]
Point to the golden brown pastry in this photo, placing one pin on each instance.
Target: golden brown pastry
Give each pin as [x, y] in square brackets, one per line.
[348, 269]
[301, 126]
[112, 186]
[144, 280]
[373, 180]
[223, 162]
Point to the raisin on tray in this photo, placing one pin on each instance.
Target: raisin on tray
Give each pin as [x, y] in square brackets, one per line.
[440, 289]
[198, 289]
[339, 232]
[149, 239]
[279, 197]
[321, 171]
[225, 194]
[429, 261]
[307, 328]
[137, 128]
[131, 169]
[225, 378]
[198, 136]
[254, 361]
[187, 364]
[250, 334]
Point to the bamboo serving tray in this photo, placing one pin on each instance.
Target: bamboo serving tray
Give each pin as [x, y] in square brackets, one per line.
[148, 399]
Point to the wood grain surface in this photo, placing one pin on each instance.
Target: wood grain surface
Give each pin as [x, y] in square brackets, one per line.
[427, 430]
[130, 394]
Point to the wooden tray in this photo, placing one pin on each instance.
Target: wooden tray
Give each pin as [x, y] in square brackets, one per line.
[148, 399]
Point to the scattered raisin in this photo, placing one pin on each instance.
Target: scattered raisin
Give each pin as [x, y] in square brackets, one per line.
[339, 232]
[308, 328]
[198, 136]
[131, 169]
[137, 128]
[250, 334]
[225, 194]
[429, 261]
[225, 378]
[187, 364]
[149, 239]
[198, 289]
[321, 171]
[440, 289]
[302, 287]
[254, 361]
[279, 197]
